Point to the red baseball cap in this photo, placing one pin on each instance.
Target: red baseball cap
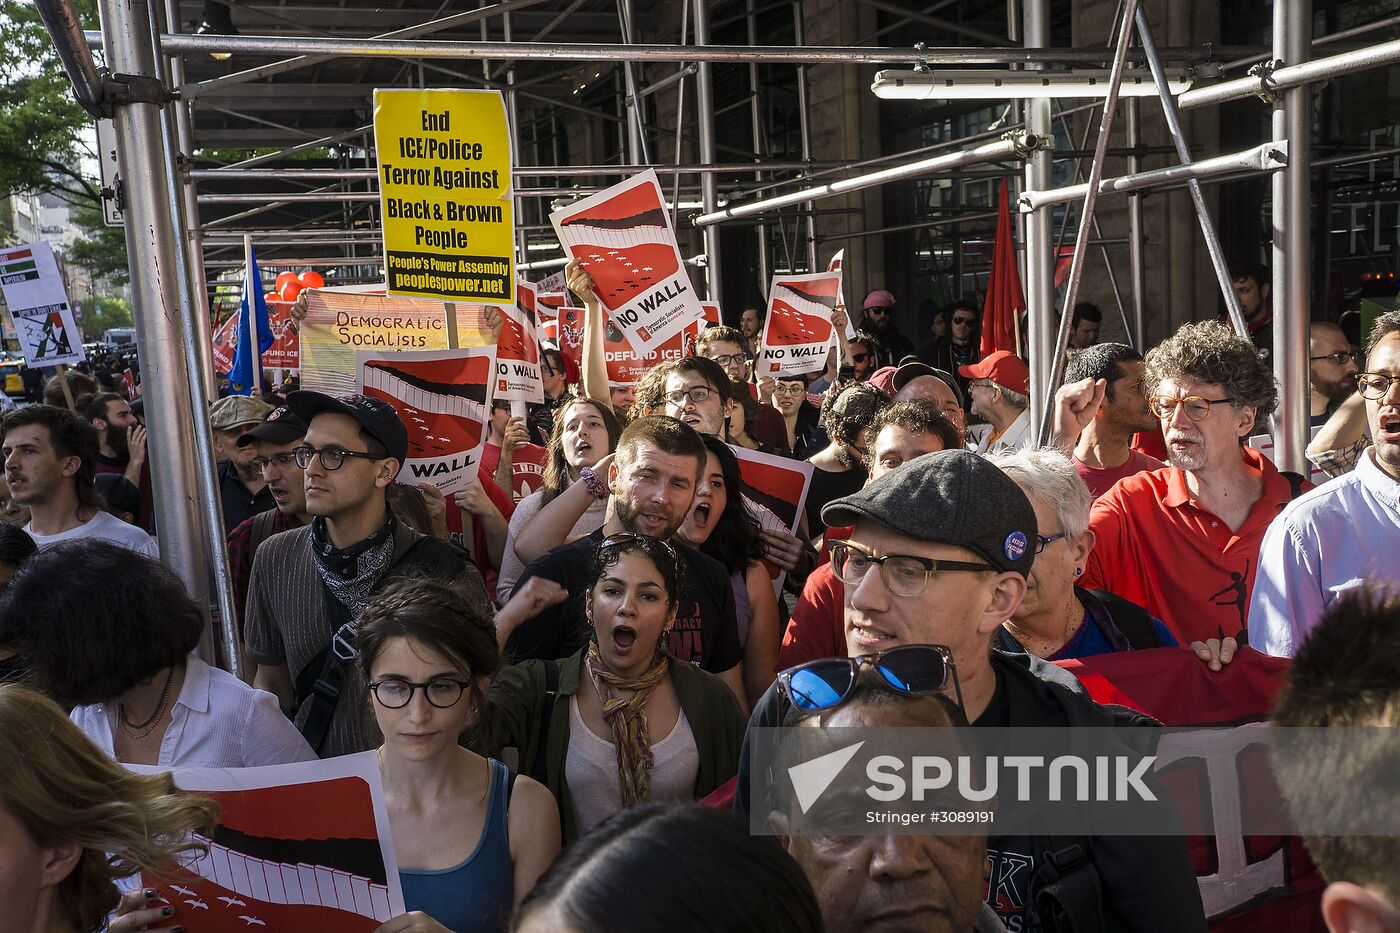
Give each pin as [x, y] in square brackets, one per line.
[1002, 367]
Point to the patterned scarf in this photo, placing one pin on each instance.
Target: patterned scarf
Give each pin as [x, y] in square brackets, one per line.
[629, 726]
[352, 573]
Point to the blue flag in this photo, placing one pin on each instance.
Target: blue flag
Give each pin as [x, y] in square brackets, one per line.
[240, 377]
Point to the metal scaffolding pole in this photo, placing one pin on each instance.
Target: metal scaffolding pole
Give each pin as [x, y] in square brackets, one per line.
[1137, 262]
[1292, 234]
[709, 192]
[636, 126]
[759, 143]
[1040, 267]
[182, 465]
[1015, 147]
[805, 124]
[1183, 154]
[1086, 221]
[1265, 82]
[524, 171]
[1261, 158]
[179, 115]
[603, 52]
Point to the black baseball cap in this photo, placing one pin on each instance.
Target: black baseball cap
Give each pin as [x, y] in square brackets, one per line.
[949, 497]
[375, 416]
[281, 426]
[911, 369]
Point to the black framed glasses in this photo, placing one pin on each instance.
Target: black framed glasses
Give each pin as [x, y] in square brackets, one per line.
[819, 686]
[789, 388]
[1197, 408]
[696, 394]
[902, 574]
[332, 458]
[442, 692]
[730, 359]
[1375, 386]
[281, 461]
[1340, 357]
[1044, 541]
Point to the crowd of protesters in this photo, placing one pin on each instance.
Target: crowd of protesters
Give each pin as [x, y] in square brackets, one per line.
[553, 684]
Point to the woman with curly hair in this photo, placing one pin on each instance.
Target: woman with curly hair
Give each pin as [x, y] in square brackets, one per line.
[73, 821]
[849, 409]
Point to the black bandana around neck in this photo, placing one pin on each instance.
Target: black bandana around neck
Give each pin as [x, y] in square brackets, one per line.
[352, 573]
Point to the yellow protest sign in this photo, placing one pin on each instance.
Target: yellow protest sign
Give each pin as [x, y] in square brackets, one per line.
[445, 194]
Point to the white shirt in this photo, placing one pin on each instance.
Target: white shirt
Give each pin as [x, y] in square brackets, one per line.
[1016, 436]
[511, 565]
[217, 721]
[1330, 540]
[105, 527]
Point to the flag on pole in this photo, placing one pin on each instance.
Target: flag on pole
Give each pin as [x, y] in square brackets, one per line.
[1005, 300]
[240, 377]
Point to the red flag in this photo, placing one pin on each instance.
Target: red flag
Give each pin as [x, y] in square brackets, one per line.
[1005, 299]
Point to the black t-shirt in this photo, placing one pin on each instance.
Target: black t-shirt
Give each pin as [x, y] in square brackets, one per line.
[706, 632]
[825, 487]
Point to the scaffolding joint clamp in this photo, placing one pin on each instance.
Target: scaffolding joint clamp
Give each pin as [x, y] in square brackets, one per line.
[921, 50]
[1027, 143]
[1268, 92]
[134, 89]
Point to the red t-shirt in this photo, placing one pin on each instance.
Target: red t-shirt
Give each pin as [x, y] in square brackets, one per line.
[1101, 481]
[817, 628]
[1155, 546]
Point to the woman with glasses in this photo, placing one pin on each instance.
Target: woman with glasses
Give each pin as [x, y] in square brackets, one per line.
[469, 837]
[1059, 620]
[620, 722]
[719, 525]
[580, 447]
[801, 419]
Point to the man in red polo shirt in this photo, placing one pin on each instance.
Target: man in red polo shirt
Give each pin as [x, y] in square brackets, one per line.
[1183, 541]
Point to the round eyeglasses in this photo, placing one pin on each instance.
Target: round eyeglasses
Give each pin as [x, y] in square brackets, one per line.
[1375, 386]
[442, 692]
[1197, 408]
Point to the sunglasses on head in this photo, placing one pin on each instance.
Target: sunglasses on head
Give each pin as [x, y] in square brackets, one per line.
[918, 670]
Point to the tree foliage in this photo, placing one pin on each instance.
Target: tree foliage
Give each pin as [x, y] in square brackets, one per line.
[41, 125]
[103, 314]
[102, 249]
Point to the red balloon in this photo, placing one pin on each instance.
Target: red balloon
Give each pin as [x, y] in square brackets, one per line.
[272, 296]
[312, 279]
[283, 278]
[290, 290]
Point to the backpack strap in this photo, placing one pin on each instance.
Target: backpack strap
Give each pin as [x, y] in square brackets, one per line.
[260, 531]
[551, 692]
[1295, 483]
[1066, 892]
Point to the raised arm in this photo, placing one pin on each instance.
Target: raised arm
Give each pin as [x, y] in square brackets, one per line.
[594, 361]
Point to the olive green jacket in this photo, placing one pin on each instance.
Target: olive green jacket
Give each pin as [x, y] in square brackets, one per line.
[511, 722]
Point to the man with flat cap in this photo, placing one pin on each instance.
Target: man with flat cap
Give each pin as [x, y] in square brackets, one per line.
[242, 492]
[308, 585]
[939, 554]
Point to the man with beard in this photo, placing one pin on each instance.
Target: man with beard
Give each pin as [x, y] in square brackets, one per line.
[1331, 370]
[1104, 454]
[1330, 541]
[242, 491]
[1251, 284]
[652, 481]
[121, 448]
[1183, 541]
[877, 319]
[751, 326]
[274, 442]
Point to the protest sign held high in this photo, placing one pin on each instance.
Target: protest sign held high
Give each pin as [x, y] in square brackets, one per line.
[517, 350]
[339, 322]
[443, 398]
[297, 847]
[775, 495]
[835, 266]
[38, 303]
[623, 238]
[798, 328]
[626, 367]
[445, 193]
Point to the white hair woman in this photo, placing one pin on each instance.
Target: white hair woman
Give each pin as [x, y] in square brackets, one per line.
[1057, 619]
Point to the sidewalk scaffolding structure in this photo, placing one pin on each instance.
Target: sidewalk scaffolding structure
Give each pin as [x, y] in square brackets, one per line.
[150, 85]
